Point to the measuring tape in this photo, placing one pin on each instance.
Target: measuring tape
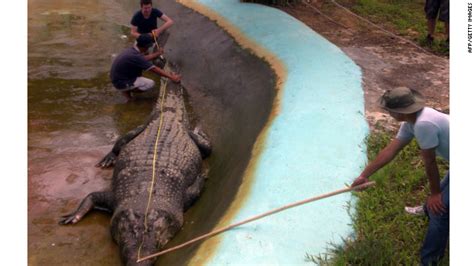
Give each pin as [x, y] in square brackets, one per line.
[155, 155]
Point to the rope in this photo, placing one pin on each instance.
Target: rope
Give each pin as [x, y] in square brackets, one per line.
[218, 231]
[326, 16]
[382, 29]
[369, 22]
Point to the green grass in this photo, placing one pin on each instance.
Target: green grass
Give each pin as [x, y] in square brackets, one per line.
[384, 233]
[403, 17]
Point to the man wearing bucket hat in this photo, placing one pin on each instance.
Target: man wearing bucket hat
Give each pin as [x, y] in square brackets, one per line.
[431, 130]
[127, 68]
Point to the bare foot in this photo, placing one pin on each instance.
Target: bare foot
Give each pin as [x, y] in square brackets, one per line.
[127, 95]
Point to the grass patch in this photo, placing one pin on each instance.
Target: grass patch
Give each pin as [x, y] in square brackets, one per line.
[403, 17]
[384, 234]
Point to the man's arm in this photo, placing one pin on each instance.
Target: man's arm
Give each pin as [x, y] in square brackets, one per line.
[434, 202]
[168, 23]
[384, 157]
[134, 32]
[174, 77]
[154, 55]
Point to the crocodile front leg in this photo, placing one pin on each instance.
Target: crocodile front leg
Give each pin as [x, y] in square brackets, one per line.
[202, 141]
[95, 200]
[109, 159]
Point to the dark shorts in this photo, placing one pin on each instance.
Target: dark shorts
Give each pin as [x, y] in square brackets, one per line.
[433, 7]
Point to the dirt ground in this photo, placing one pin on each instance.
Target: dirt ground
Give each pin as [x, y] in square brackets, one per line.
[386, 61]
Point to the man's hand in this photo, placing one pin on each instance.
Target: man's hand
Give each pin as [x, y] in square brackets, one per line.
[435, 204]
[175, 77]
[155, 33]
[359, 181]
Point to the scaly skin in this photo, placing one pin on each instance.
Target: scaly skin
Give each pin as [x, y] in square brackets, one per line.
[177, 183]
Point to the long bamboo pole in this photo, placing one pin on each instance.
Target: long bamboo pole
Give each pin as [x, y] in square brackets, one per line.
[218, 231]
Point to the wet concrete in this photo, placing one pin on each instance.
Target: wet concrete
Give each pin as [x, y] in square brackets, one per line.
[74, 116]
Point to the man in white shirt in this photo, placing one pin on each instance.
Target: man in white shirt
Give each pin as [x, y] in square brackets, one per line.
[431, 130]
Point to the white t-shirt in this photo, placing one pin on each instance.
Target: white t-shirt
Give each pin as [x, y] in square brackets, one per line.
[431, 130]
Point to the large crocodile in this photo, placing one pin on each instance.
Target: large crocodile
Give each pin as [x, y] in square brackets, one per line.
[165, 161]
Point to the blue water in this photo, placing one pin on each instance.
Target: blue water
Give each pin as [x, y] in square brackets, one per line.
[315, 144]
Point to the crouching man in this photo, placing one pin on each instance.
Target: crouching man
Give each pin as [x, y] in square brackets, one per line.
[127, 68]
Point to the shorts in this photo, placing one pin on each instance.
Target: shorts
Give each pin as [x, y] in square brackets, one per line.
[433, 7]
[140, 83]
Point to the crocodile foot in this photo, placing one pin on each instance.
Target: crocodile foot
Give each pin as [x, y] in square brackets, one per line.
[107, 161]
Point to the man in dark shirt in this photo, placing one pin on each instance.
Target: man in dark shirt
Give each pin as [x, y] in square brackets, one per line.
[127, 68]
[145, 20]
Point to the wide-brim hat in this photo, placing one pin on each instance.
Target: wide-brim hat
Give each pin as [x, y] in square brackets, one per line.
[144, 40]
[402, 100]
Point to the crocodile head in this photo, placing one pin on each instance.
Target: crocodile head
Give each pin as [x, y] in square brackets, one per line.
[134, 240]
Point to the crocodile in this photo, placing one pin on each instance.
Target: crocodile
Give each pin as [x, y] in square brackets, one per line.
[165, 160]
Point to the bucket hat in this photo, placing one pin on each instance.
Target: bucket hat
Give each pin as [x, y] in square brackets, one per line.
[144, 40]
[402, 100]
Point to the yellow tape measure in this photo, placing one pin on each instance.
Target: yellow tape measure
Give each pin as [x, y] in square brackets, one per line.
[155, 153]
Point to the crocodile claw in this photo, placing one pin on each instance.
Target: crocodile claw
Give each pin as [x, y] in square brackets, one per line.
[69, 219]
[107, 161]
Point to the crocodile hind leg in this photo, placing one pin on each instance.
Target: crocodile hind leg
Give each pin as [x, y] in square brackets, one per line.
[193, 191]
[202, 141]
[95, 200]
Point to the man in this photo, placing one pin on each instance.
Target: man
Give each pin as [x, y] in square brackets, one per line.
[145, 20]
[431, 130]
[128, 66]
[432, 8]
